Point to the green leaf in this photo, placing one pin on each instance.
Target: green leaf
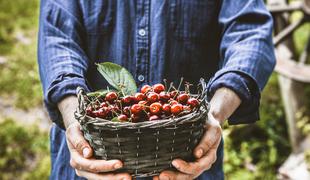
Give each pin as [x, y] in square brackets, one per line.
[118, 77]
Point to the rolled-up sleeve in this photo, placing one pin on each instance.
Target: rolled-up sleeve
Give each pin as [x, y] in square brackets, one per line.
[246, 53]
[62, 60]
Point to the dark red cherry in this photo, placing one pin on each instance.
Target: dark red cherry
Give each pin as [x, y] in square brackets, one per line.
[173, 102]
[182, 98]
[111, 97]
[164, 96]
[167, 109]
[102, 112]
[158, 88]
[104, 104]
[193, 102]
[127, 100]
[137, 109]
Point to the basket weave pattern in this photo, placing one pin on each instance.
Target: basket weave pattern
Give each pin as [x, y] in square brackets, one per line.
[145, 148]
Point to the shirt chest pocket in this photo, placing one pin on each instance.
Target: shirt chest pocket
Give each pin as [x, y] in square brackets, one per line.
[191, 19]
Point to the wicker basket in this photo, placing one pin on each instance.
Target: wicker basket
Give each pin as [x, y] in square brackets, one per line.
[145, 148]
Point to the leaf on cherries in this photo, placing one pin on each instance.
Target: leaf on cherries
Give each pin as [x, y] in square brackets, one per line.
[118, 77]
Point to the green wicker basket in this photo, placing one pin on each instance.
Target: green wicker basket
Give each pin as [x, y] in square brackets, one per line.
[145, 148]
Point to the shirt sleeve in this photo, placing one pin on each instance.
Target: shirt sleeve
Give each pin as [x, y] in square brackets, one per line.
[62, 61]
[246, 54]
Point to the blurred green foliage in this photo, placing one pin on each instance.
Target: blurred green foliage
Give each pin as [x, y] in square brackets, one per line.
[23, 152]
[251, 151]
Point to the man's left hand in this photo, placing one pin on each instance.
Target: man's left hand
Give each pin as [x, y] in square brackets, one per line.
[205, 153]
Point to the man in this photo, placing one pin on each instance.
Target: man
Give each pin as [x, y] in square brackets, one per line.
[226, 42]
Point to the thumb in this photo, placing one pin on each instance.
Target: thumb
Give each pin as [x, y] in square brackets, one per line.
[77, 141]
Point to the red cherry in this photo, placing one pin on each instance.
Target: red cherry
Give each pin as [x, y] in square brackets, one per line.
[164, 96]
[155, 108]
[173, 102]
[193, 102]
[158, 88]
[135, 118]
[176, 109]
[145, 89]
[126, 111]
[104, 104]
[167, 109]
[111, 97]
[136, 109]
[152, 97]
[174, 94]
[102, 112]
[140, 97]
[89, 111]
[182, 98]
[126, 100]
[154, 117]
[122, 118]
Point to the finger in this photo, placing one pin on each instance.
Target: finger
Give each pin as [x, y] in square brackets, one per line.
[77, 141]
[155, 177]
[172, 175]
[93, 165]
[196, 168]
[211, 139]
[88, 175]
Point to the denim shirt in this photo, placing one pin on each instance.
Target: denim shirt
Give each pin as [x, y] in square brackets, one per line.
[226, 42]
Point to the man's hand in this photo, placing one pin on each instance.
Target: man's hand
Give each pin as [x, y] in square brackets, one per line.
[80, 150]
[223, 104]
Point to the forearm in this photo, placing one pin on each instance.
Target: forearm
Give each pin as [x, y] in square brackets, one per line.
[67, 107]
[223, 104]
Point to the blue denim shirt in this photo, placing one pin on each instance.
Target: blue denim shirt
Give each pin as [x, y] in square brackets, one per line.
[226, 42]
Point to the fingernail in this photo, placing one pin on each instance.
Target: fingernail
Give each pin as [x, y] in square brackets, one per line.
[86, 152]
[165, 178]
[117, 166]
[175, 164]
[199, 153]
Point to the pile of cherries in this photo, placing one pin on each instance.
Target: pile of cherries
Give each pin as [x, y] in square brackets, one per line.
[151, 103]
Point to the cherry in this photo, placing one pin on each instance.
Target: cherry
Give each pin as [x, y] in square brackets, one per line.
[176, 109]
[140, 97]
[182, 98]
[173, 102]
[111, 97]
[126, 111]
[152, 97]
[135, 118]
[102, 112]
[154, 117]
[89, 111]
[193, 102]
[104, 104]
[145, 89]
[158, 88]
[136, 109]
[164, 96]
[155, 108]
[167, 109]
[126, 100]
[122, 117]
[174, 94]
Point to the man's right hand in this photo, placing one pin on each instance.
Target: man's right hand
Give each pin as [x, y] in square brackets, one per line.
[81, 152]
[82, 162]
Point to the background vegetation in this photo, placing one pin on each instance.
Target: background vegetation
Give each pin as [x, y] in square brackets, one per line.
[251, 152]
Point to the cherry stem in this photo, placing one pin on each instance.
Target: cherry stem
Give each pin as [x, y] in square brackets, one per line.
[171, 85]
[165, 83]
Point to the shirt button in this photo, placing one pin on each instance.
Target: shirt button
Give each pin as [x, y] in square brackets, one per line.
[141, 78]
[142, 32]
